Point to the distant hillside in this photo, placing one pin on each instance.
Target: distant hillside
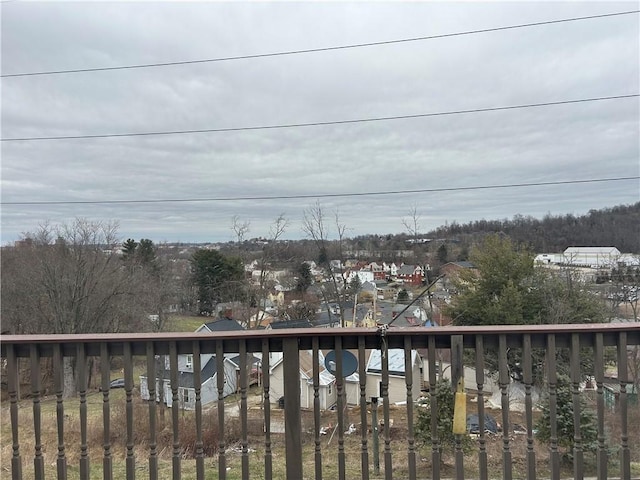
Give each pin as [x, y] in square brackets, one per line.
[617, 226]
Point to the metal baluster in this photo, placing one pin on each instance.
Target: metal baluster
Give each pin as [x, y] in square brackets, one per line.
[505, 380]
[623, 377]
[175, 409]
[388, 468]
[197, 385]
[553, 406]
[411, 439]
[152, 385]
[341, 408]
[82, 390]
[316, 407]
[578, 457]
[482, 440]
[130, 461]
[38, 460]
[268, 458]
[58, 382]
[222, 459]
[433, 404]
[105, 381]
[528, 405]
[362, 377]
[601, 454]
[243, 410]
[13, 385]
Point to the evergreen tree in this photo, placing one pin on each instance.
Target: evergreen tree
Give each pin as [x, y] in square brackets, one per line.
[304, 277]
[442, 254]
[564, 420]
[217, 278]
[445, 399]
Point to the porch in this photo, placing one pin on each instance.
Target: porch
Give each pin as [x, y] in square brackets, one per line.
[383, 442]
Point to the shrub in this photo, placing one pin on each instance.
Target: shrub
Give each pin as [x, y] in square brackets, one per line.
[445, 399]
[564, 420]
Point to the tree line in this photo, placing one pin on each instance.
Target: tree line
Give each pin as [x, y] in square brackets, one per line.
[616, 226]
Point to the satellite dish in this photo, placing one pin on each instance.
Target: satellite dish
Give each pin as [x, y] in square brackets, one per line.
[349, 363]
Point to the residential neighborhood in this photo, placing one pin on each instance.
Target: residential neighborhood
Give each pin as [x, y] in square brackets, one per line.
[388, 294]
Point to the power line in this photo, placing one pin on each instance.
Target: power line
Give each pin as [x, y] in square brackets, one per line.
[323, 195]
[317, 124]
[315, 50]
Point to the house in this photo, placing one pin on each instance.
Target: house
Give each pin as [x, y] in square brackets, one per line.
[390, 269]
[327, 382]
[397, 375]
[414, 316]
[186, 381]
[208, 371]
[377, 270]
[363, 275]
[261, 319]
[411, 274]
[224, 324]
[370, 288]
[454, 268]
[452, 272]
[290, 324]
[327, 318]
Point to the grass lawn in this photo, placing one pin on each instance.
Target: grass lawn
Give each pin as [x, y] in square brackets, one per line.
[184, 323]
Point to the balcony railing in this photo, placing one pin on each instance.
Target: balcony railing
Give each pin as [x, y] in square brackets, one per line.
[125, 433]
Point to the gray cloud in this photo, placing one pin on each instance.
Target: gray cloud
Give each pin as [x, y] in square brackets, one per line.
[566, 61]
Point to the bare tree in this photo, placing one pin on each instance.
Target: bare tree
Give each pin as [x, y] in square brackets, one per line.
[67, 278]
[276, 230]
[314, 224]
[240, 228]
[412, 223]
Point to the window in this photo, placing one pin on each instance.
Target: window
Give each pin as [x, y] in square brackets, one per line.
[185, 395]
[189, 362]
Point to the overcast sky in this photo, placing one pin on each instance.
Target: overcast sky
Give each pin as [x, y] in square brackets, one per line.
[550, 63]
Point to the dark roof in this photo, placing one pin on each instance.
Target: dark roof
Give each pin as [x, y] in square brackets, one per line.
[291, 324]
[224, 325]
[386, 316]
[463, 264]
[326, 318]
[185, 379]
[408, 269]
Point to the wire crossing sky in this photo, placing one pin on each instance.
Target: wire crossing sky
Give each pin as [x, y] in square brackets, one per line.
[319, 195]
[315, 50]
[467, 111]
[316, 124]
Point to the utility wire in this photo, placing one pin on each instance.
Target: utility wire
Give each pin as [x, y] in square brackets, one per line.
[322, 195]
[316, 124]
[315, 50]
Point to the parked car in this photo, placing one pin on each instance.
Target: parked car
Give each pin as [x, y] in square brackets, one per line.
[490, 424]
[117, 383]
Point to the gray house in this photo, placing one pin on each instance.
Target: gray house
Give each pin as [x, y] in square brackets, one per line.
[186, 385]
[208, 373]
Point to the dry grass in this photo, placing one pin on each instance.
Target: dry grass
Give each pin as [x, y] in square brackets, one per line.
[352, 444]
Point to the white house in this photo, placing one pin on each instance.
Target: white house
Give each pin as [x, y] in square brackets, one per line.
[363, 275]
[397, 375]
[327, 382]
[391, 269]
